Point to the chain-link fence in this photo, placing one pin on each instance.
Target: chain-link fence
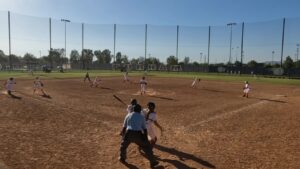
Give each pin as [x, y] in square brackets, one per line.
[28, 42]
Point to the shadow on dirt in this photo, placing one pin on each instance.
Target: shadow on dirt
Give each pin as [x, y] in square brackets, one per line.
[270, 100]
[15, 97]
[164, 98]
[212, 90]
[46, 96]
[107, 88]
[182, 156]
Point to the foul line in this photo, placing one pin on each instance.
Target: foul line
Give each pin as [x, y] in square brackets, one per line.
[227, 114]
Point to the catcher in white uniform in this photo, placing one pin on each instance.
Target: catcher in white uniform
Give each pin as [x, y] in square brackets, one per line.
[195, 82]
[38, 85]
[246, 89]
[151, 120]
[143, 84]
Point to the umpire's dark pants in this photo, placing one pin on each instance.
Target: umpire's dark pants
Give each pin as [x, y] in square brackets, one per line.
[138, 138]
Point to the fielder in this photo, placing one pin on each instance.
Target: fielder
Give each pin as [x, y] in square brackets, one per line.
[87, 76]
[196, 82]
[126, 79]
[9, 86]
[151, 120]
[246, 89]
[143, 84]
[38, 85]
[96, 82]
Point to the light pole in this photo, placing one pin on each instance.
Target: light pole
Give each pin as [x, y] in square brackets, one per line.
[297, 51]
[237, 53]
[230, 24]
[200, 57]
[272, 57]
[65, 21]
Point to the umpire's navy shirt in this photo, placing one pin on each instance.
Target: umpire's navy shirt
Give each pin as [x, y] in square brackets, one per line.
[135, 121]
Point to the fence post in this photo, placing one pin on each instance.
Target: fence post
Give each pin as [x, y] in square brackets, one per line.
[282, 42]
[115, 29]
[242, 44]
[177, 42]
[9, 42]
[146, 38]
[208, 50]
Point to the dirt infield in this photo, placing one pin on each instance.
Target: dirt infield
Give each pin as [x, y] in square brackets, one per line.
[210, 126]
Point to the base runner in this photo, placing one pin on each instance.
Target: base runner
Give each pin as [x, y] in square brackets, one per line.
[38, 85]
[96, 82]
[196, 82]
[9, 85]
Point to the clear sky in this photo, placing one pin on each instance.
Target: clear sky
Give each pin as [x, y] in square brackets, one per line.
[193, 16]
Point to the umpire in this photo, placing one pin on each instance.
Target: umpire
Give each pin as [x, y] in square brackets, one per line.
[135, 131]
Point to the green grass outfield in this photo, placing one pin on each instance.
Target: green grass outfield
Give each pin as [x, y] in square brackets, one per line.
[191, 75]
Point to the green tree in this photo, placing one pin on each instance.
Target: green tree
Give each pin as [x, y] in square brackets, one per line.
[106, 54]
[15, 59]
[134, 61]
[152, 60]
[74, 56]
[119, 58]
[29, 59]
[297, 64]
[172, 60]
[186, 60]
[99, 56]
[3, 57]
[87, 57]
[252, 64]
[288, 63]
[124, 59]
[55, 56]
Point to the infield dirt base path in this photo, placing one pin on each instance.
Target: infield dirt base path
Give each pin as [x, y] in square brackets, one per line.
[210, 126]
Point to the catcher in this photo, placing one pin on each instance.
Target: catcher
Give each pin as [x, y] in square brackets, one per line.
[151, 121]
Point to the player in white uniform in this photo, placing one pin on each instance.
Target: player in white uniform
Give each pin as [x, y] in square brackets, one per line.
[38, 85]
[96, 82]
[151, 121]
[9, 85]
[195, 82]
[143, 84]
[246, 89]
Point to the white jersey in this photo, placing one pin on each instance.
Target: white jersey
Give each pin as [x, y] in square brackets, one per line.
[126, 76]
[96, 81]
[246, 88]
[37, 84]
[9, 85]
[194, 82]
[143, 84]
[150, 124]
